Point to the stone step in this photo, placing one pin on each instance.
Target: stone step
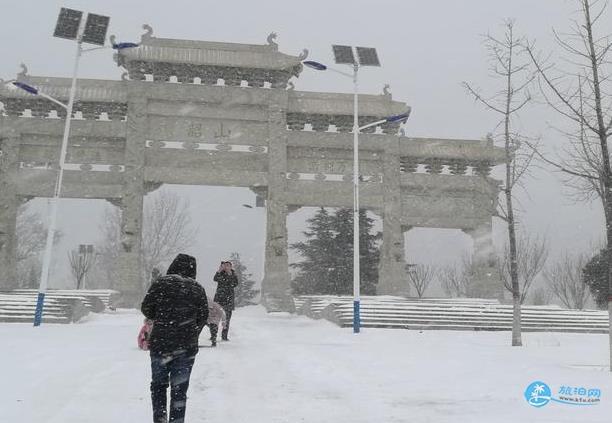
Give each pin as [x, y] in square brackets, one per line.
[20, 308]
[97, 300]
[440, 314]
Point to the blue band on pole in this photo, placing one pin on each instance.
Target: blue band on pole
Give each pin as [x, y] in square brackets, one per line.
[356, 317]
[39, 309]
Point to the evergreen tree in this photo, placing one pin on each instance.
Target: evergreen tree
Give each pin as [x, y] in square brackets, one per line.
[319, 256]
[327, 267]
[595, 275]
[245, 291]
[369, 255]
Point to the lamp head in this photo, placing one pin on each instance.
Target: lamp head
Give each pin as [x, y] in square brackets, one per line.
[315, 65]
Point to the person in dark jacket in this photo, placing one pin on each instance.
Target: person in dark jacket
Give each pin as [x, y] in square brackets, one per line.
[226, 282]
[178, 306]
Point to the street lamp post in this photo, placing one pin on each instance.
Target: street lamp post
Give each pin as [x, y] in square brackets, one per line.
[70, 25]
[367, 57]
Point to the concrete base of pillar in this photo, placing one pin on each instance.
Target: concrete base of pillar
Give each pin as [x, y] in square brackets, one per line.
[130, 281]
[276, 302]
[392, 279]
[276, 288]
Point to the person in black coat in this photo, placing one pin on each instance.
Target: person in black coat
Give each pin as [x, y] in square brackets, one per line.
[178, 306]
[226, 282]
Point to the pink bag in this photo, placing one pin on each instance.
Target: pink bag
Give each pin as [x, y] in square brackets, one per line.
[144, 334]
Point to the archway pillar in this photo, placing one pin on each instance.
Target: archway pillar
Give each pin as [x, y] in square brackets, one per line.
[9, 205]
[392, 267]
[276, 285]
[131, 282]
[485, 280]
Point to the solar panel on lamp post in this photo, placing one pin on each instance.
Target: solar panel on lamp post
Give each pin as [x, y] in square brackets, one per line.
[70, 25]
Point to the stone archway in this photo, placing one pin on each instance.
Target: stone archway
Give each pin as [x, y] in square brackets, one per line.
[171, 123]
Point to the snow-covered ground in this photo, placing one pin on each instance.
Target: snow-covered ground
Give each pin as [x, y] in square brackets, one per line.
[282, 368]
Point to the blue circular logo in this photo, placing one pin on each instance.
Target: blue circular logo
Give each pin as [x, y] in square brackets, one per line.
[538, 394]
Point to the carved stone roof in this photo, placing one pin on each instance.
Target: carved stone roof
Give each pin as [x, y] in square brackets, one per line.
[452, 149]
[342, 104]
[210, 53]
[323, 109]
[164, 58]
[92, 98]
[88, 90]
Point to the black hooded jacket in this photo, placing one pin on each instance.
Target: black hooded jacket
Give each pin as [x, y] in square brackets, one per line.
[226, 282]
[178, 306]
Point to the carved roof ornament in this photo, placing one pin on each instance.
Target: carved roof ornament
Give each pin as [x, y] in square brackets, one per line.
[148, 33]
[290, 86]
[387, 90]
[303, 55]
[271, 39]
[112, 39]
[24, 71]
[125, 76]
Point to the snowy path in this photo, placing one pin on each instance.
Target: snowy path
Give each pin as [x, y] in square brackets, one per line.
[280, 368]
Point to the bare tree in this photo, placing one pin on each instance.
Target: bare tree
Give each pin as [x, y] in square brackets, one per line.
[31, 236]
[509, 65]
[564, 278]
[420, 276]
[457, 279]
[453, 281]
[167, 230]
[531, 257]
[105, 272]
[81, 262]
[581, 92]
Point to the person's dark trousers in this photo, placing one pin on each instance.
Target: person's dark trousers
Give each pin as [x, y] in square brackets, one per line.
[228, 316]
[170, 369]
[214, 329]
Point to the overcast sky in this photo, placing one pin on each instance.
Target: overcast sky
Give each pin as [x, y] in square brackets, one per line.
[427, 48]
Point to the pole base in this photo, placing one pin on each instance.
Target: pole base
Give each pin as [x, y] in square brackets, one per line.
[356, 316]
[40, 303]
